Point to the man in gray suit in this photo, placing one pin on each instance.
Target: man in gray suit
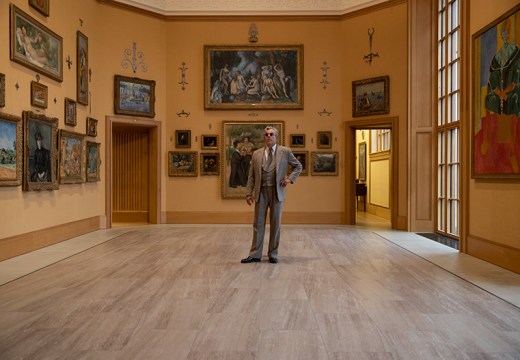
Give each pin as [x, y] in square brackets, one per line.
[266, 187]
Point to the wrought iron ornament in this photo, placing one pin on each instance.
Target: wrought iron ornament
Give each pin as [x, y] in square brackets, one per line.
[324, 68]
[369, 57]
[183, 81]
[253, 33]
[137, 59]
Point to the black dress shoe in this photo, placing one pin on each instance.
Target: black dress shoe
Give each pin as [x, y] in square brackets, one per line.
[273, 260]
[249, 259]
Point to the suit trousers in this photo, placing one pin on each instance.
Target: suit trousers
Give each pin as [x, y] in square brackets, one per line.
[268, 200]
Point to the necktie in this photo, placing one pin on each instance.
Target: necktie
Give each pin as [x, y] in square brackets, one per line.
[270, 158]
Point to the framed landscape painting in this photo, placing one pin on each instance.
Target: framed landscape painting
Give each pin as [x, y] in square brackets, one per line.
[73, 157]
[10, 150]
[133, 96]
[324, 163]
[495, 130]
[40, 137]
[35, 46]
[39, 95]
[239, 140]
[371, 96]
[253, 77]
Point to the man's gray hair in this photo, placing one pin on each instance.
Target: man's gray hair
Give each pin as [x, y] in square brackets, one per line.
[269, 127]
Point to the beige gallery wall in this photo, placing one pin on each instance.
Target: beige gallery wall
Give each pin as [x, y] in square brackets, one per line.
[493, 228]
[110, 31]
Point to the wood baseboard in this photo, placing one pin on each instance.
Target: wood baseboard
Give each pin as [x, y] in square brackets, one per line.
[24, 243]
[498, 254]
[218, 217]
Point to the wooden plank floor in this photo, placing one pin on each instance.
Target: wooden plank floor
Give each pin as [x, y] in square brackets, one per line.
[182, 293]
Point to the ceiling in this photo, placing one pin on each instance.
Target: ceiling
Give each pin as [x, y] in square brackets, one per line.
[249, 7]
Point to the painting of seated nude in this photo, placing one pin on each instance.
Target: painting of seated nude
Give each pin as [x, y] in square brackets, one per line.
[253, 77]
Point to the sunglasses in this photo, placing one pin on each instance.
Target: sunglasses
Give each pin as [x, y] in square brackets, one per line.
[269, 134]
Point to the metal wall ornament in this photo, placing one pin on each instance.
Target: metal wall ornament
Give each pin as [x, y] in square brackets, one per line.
[369, 57]
[253, 33]
[324, 69]
[183, 81]
[136, 61]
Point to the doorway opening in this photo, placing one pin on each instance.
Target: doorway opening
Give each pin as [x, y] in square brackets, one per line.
[371, 164]
[133, 172]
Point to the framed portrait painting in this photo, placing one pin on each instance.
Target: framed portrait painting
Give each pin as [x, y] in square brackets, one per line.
[183, 138]
[324, 163]
[182, 163]
[239, 140]
[93, 161]
[209, 163]
[91, 127]
[134, 96]
[371, 96]
[40, 137]
[10, 150]
[362, 165]
[324, 139]
[81, 68]
[253, 77]
[495, 131]
[73, 157]
[35, 46]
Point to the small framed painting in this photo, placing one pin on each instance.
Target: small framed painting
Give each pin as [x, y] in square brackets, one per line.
[91, 127]
[324, 163]
[209, 164]
[11, 150]
[182, 138]
[324, 139]
[209, 142]
[73, 157]
[302, 157]
[39, 95]
[2, 90]
[70, 112]
[82, 68]
[182, 163]
[93, 161]
[134, 96]
[371, 96]
[41, 5]
[297, 140]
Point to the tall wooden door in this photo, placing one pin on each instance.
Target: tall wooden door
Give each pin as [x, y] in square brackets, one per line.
[130, 175]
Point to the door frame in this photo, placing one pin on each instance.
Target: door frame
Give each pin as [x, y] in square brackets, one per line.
[154, 128]
[391, 123]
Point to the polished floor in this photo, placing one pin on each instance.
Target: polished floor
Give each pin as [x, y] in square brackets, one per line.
[180, 292]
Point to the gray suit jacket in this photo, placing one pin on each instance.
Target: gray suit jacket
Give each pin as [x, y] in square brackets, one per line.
[284, 157]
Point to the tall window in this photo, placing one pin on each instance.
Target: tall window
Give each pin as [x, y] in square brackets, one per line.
[380, 140]
[448, 118]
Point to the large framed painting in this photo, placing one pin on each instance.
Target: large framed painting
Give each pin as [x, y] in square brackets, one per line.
[133, 96]
[40, 137]
[496, 112]
[239, 140]
[35, 46]
[10, 150]
[182, 163]
[253, 77]
[324, 163]
[93, 161]
[81, 68]
[73, 157]
[371, 96]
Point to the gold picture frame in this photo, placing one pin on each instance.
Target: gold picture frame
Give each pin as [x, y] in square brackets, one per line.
[73, 157]
[182, 163]
[39, 95]
[11, 154]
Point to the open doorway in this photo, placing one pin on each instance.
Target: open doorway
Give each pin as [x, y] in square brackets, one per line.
[371, 164]
[133, 172]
